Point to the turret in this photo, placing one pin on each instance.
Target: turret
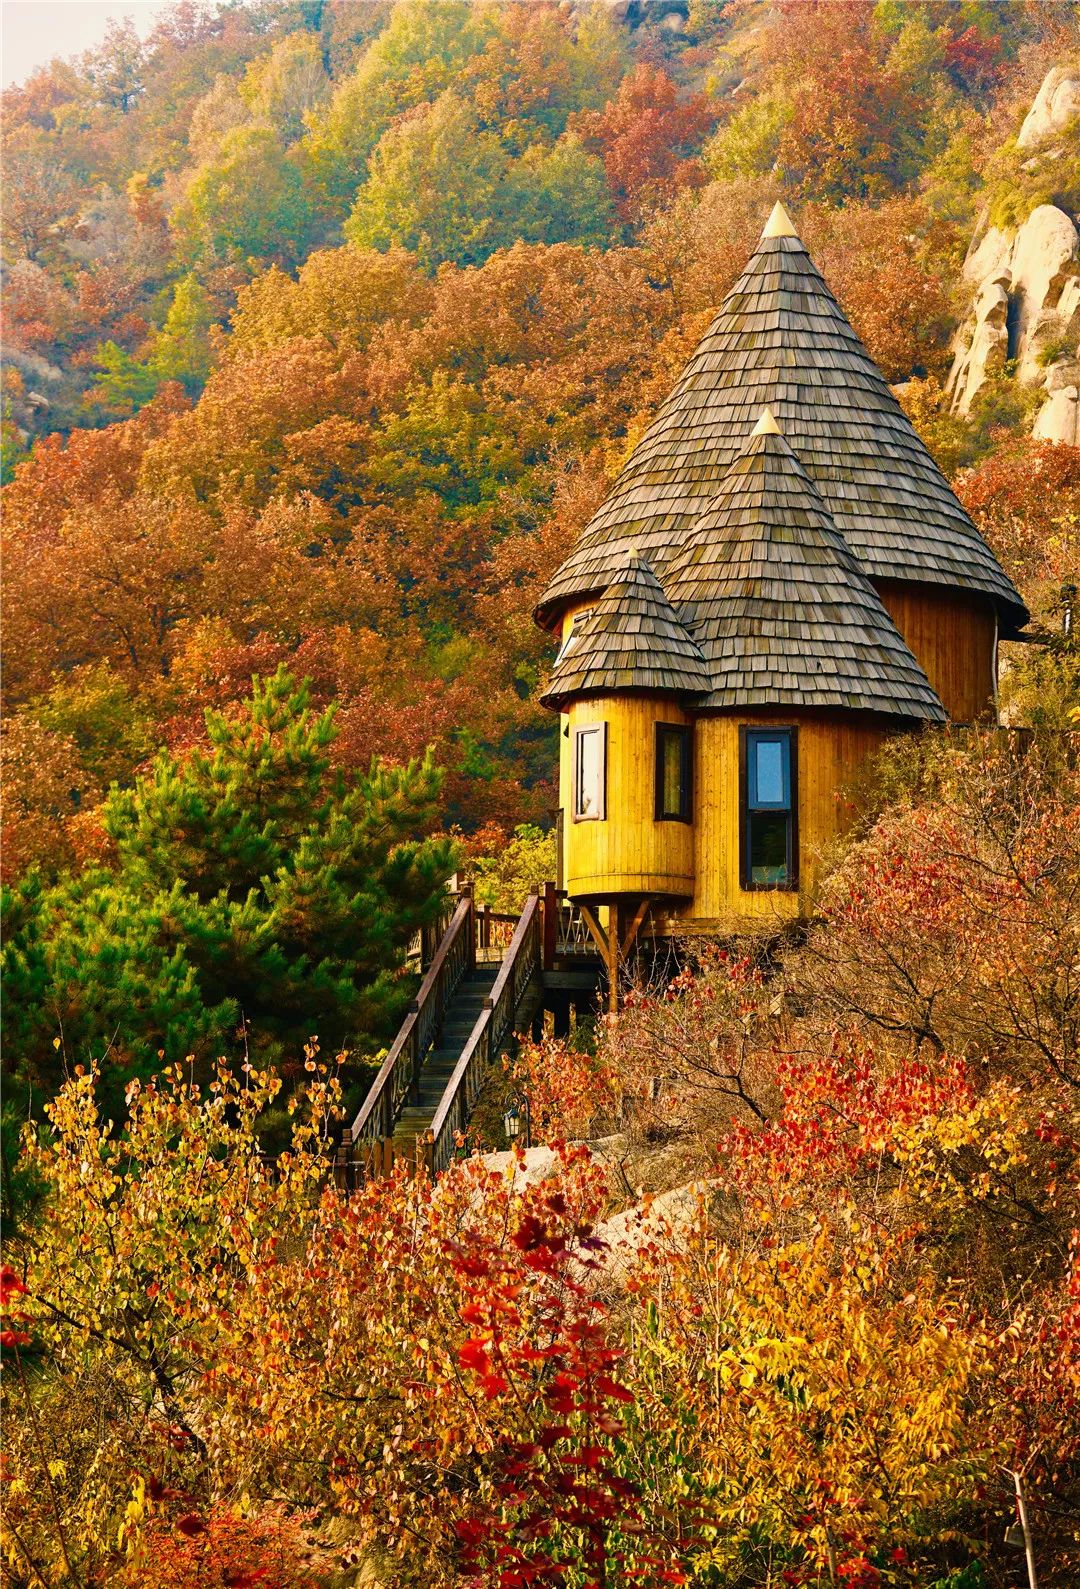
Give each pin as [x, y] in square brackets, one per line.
[623, 680]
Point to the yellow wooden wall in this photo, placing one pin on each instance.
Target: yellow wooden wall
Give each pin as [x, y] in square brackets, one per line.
[954, 638]
[629, 852]
[831, 751]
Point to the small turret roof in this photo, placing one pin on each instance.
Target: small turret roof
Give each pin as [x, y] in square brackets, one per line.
[781, 610]
[632, 640]
[782, 340]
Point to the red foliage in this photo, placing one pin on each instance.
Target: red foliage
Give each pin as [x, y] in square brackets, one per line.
[1025, 499]
[557, 1496]
[223, 1548]
[975, 59]
[647, 139]
[12, 1285]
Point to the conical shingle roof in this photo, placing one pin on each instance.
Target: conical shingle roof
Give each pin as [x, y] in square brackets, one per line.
[782, 612]
[781, 340]
[632, 640]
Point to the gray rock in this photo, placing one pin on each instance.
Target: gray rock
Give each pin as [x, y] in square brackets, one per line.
[1059, 417]
[1056, 104]
[1026, 303]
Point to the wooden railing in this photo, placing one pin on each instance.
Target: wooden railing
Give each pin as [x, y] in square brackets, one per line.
[400, 1070]
[494, 932]
[520, 970]
[549, 932]
[571, 936]
[425, 940]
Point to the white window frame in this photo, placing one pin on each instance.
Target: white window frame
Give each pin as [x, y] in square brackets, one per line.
[581, 731]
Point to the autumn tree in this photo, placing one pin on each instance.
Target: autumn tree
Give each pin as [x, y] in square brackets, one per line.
[648, 139]
[116, 69]
[416, 57]
[248, 199]
[953, 925]
[1025, 499]
[430, 1363]
[832, 117]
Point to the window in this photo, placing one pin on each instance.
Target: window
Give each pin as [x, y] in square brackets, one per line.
[575, 624]
[768, 826]
[590, 772]
[673, 766]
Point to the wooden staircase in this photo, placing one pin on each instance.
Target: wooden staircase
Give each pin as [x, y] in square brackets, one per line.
[464, 1010]
[485, 982]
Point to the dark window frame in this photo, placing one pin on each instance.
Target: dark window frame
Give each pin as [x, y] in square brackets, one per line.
[684, 734]
[748, 734]
[579, 732]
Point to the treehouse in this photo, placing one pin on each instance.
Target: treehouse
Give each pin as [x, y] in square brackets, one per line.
[780, 579]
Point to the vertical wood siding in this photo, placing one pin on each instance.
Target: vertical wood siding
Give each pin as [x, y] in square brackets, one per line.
[831, 752]
[630, 852]
[952, 636]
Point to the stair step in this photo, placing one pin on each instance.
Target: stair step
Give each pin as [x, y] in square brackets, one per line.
[464, 1011]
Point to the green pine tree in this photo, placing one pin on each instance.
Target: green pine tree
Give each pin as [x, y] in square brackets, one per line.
[179, 351]
[258, 899]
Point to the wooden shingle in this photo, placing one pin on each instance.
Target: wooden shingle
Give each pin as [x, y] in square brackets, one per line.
[782, 612]
[631, 641]
[781, 340]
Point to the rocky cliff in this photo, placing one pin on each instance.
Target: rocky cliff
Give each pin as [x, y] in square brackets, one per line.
[1025, 285]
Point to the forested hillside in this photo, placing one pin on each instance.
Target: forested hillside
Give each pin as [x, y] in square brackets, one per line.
[328, 324]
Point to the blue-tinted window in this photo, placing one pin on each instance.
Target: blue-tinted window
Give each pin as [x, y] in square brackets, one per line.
[768, 817]
[770, 777]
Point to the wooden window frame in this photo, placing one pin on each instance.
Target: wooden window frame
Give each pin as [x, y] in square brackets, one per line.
[748, 732]
[580, 730]
[686, 773]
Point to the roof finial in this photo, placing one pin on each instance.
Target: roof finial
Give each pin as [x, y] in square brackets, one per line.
[779, 223]
[766, 425]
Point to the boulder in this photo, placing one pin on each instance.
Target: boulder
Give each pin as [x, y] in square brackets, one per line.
[1045, 268]
[1059, 417]
[661, 1223]
[1025, 285]
[987, 258]
[1056, 104]
[983, 355]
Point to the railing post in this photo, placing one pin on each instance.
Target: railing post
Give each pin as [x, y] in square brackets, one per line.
[341, 1166]
[470, 936]
[551, 925]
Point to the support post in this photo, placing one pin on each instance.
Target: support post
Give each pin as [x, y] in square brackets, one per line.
[470, 936]
[596, 932]
[614, 929]
[341, 1167]
[630, 936]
